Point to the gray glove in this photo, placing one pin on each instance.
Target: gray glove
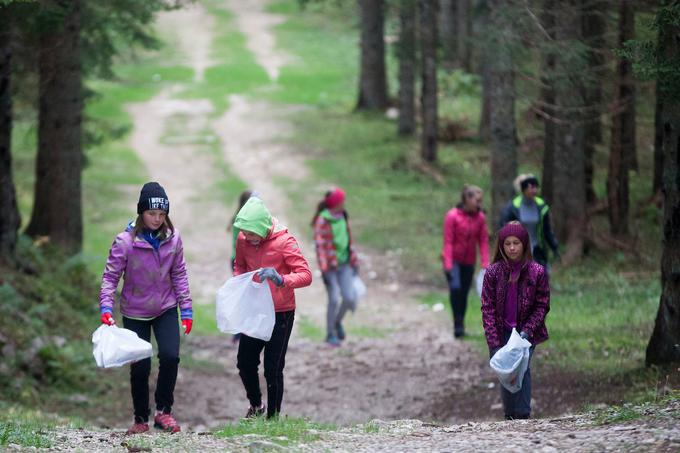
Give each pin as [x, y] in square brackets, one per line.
[269, 273]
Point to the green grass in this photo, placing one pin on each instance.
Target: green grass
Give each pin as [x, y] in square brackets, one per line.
[30, 428]
[204, 320]
[309, 330]
[612, 415]
[236, 71]
[282, 430]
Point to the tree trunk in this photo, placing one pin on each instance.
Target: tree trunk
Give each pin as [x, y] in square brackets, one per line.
[428, 39]
[57, 211]
[372, 79]
[407, 68]
[569, 172]
[664, 344]
[463, 29]
[623, 130]
[658, 144]
[548, 96]
[9, 213]
[485, 113]
[594, 26]
[448, 33]
[503, 143]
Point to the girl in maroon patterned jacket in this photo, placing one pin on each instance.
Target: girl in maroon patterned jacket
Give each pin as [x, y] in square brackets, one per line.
[516, 294]
[337, 260]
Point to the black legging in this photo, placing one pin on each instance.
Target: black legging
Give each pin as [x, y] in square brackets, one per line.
[166, 331]
[458, 291]
[248, 360]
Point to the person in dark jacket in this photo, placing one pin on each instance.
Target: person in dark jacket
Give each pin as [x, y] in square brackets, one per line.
[534, 215]
[515, 294]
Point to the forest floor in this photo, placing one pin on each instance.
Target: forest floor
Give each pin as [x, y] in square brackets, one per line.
[400, 362]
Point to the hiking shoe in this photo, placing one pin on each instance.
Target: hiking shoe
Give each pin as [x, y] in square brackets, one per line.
[340, 331]
[137, 428]
[333, 341]
[254, 412]
[166, 422]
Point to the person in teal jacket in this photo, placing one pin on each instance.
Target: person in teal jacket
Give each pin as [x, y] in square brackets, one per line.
[534, 215]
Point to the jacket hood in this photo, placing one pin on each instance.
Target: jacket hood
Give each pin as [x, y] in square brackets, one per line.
[254, 217]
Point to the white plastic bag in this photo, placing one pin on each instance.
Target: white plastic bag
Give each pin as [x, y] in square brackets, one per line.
[114, 346]
[359, 287]
[480, 281]
[245, 306]
[511, 362]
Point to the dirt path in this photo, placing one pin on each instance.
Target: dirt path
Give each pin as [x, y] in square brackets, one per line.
[402, 362]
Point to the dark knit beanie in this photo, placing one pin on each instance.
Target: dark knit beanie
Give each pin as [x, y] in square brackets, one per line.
[531, 180]
[152, 196]
[514, 229]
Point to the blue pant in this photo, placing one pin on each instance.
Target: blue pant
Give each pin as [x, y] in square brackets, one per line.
[339, 281]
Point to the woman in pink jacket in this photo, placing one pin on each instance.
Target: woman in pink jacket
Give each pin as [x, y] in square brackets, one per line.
[150, 255]
[464, 230]
[266, 245]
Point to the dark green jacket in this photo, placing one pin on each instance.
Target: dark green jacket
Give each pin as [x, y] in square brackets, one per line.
[546, 238]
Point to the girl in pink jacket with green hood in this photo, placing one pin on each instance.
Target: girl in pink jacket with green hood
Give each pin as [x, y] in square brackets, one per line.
[265, 244]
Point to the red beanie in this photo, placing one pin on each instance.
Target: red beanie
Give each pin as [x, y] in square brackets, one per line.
[335, 198]
[514, 229]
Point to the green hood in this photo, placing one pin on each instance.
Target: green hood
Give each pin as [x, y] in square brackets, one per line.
[254, 217]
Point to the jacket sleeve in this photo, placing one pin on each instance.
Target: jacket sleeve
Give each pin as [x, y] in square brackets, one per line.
[319, 241]
[549, 235]
[115, 266]
[541, 305]
[493, 336]
[180, 280]
[239, 263]
[507, 215]
[484, 243]
[447, 248]
[299, 275]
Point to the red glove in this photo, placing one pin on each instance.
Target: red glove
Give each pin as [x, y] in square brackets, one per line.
[186, 325]
[107, 319]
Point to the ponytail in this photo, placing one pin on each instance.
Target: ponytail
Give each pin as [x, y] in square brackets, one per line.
[320, 207]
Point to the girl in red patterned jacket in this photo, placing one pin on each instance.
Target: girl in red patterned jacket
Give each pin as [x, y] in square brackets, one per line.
[516, 294]
[337, 260]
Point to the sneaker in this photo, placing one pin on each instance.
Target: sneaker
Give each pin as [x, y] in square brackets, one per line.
[333, 341]
[254, 412]
[138, 428]
[340, 331]
[166, 422]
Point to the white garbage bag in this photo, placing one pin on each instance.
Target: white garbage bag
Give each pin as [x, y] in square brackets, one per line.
[114, 346]
[245, 306]
[359, 287]
[480, 281]
[511, 362]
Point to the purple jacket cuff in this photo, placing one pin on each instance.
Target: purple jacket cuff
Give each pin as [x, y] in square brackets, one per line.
[103, 310]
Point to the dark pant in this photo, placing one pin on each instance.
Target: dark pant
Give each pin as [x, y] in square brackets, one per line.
[459, 279]
[518, 405]
[166, 330]
[248, 360]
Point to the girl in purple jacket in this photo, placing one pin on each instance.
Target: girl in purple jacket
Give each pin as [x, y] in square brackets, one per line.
[515, 294]
[150, 255]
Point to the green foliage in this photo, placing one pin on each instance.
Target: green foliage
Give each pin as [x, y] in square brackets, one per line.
[281, 430]
[612, 415]
[651, 59]
[46, 325]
